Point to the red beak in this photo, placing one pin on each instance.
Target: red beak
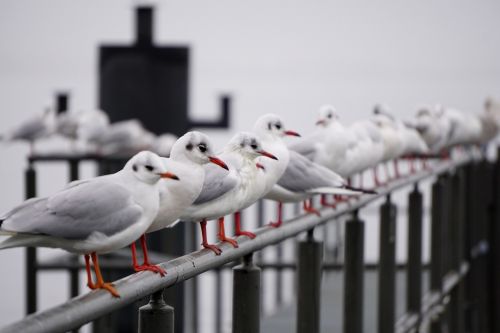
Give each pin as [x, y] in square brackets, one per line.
[217, 161]
[292, 133]
[266, 154]
[320, 122]
[169, 175]
[260, 166]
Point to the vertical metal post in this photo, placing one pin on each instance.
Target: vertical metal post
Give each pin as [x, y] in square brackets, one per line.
[436, 239]
[74, 281]
[309, 284]
[414, 274]
[218, 300]
[354, 274]
[30, 258]
[387, 268]
[246, 297]
[156, 316]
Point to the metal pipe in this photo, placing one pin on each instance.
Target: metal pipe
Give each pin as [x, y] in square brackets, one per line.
[354, 275]
[74, 279]
[310, 254]
[387, 270]
[246, 297]
[156, 316]
[414, 274]
[30, 252]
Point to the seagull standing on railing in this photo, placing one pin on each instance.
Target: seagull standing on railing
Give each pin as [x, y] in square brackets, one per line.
[38, 126]
[433, 127]
[93, 216]
[125, 138]
[189, 153]
[223, 192]
[83, 126]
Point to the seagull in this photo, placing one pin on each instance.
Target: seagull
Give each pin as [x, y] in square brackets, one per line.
[162, 145]
[303, 179]
[93, 216]
[34, 128]
[490, 121]
[225, 192]
[465, 127]
[124, 138]
[433, 127]
[86, 126]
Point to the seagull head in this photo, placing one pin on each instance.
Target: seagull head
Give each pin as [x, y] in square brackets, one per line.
[327, 115]
[195, 147]
[147, 167]
[270, 126]
[248, 145]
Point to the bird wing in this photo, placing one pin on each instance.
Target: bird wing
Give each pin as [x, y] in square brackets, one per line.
[306, 146]
[77, 211]
[28, 130]
[303, 175]
[217, 183]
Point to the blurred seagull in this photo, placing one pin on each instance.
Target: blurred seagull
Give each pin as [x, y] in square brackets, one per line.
[125, 138]
[91, 216]
[225, 192]
[162, 144]
[34, 128]
[86, 126]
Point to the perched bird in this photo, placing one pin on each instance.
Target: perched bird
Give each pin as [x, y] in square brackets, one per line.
[84, 126]
[433, 127]
[225, 192]
[162, 144]
[34, 128]
[125, 138]
[92, 216]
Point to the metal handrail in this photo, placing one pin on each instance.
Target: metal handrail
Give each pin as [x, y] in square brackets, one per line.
[88, 307]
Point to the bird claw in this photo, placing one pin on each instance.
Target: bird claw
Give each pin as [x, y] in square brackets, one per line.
[110, 288]
[249, 234]
[276, 224]
[231, 241]
[214, 248]
[152, 268]
[311, 210]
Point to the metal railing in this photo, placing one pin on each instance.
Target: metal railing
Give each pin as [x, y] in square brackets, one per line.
[464, 239]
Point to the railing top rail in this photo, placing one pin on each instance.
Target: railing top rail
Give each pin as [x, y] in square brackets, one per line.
[90, 306]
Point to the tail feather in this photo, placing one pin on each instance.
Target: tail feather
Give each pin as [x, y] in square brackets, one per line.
[19, 240]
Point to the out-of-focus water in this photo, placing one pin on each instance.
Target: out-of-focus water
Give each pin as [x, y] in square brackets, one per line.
[287, 58]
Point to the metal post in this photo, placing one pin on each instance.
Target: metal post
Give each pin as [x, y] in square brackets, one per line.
[30, 259]
[436, 239]
[74, 281]
[387, 269]
[309, 284]
[414, 274]
[495, 249]
[354, 273]
[156, 316]
[246, 297]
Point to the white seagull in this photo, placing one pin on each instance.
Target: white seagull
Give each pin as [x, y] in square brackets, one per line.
[85, 126]
[34, 128]
[91, 216]
[124, 138]
[225, 192]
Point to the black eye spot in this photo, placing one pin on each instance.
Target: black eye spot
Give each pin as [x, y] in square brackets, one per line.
[269, 126]
[254, 145]
[134, 167]
[189, 146]
[149, 167]
[203, 147]
[329, 115]
[278, 126]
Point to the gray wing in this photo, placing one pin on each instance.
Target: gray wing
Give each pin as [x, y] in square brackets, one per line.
[302, 175]
[306, 146]
[76, 212]
[28, 130]
[217, 183]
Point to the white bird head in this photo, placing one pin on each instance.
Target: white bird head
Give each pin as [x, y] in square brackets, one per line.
[271, 126]
[327, 114]
[147, 167]
[248, 145]
[195, 147]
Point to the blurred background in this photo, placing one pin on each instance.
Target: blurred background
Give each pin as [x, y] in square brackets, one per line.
[285, 57]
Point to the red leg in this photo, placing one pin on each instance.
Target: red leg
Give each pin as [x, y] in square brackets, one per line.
[396, 168]
[90, 284]
[100, 284]
[412, 165]
[376, 179]
[215, 249]
[146, 266]
[387, 173]
[308, 207]
[237, 227]
[222, 234]
[277, 224]
[325, 203]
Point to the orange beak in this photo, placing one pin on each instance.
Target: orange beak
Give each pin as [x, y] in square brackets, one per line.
[292, 133]
[320, 122]
[260, 166]
[169, 175]
[217, 161]
[266, 154]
